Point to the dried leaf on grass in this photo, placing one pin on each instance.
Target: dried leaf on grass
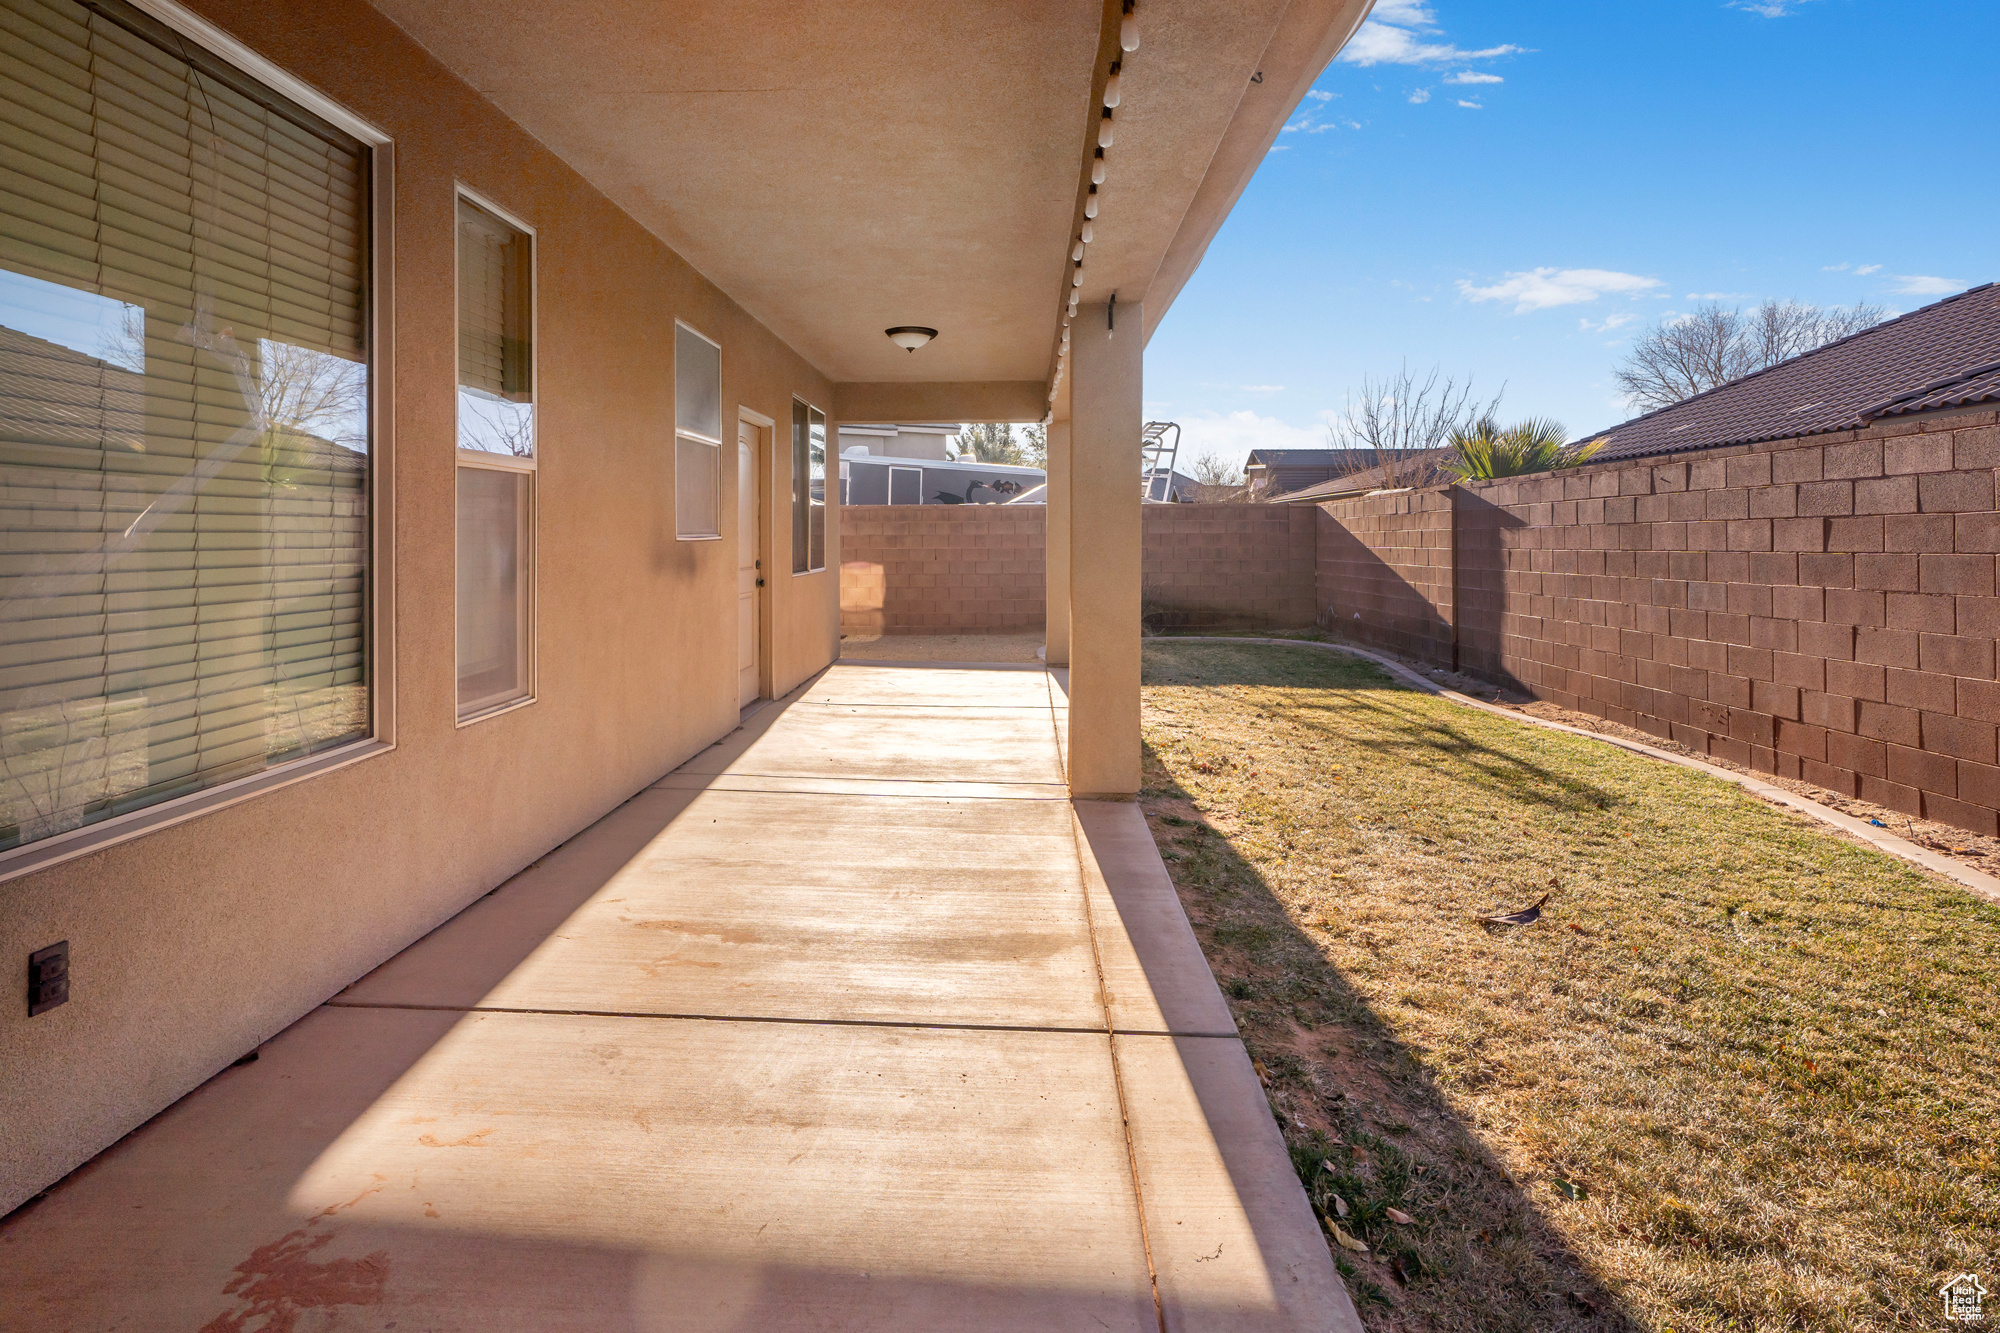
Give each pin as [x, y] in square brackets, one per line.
[1399, 1217]
[1345, 1241]
[1568, 1190]
[1526, 916]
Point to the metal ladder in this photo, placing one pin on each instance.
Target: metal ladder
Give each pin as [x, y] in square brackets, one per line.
[1157, 452]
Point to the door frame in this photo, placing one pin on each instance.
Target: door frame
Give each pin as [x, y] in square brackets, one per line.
[766, 431]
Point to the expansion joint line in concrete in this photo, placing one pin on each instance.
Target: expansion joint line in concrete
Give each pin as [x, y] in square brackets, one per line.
[1111, 1035]
[933, 1025]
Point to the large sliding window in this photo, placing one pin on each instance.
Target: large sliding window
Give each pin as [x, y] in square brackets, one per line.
[184, 422]
[697, 436]
[808, 488]
[496, 461]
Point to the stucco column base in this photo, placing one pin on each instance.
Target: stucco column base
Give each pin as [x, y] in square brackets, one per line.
[1104, 546]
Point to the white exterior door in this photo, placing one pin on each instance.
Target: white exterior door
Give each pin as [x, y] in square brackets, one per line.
[749, 572]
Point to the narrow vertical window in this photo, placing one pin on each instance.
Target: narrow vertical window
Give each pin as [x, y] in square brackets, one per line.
[808, 488]
[496, 461]
[697, 436]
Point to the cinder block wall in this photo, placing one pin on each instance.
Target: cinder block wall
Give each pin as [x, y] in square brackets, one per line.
[1822, 608]
[1384, 572]
[978, 569]
[1229, 565]
[942, 569]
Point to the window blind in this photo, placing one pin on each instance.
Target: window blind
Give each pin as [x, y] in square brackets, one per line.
[495, 344]
[184, 450]
[809, 488]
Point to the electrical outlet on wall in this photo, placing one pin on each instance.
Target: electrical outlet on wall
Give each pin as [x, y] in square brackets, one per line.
[48, 978]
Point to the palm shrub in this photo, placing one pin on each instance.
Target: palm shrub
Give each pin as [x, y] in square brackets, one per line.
[1484, 450]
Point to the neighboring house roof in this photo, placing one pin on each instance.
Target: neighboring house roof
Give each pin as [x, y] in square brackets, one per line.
[1171, 487]
[1943, 355]
[1309, 457]
[960, 464]
[54, 395]
[1424, 468]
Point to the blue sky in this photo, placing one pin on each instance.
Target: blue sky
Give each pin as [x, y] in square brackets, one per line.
[1511, 191]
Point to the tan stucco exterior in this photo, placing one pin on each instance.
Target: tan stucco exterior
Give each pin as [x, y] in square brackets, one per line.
[714, 165]
[191, 945]
[1104, 547]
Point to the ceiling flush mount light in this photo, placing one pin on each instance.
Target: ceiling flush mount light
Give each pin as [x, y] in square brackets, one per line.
[910, 337]
[1128, 29]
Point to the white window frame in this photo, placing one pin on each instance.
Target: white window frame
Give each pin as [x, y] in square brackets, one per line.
[697, 437]
[381, 658]
[479, 458]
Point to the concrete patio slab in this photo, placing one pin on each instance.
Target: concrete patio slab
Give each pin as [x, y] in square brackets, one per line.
[844, 1024]
[979, 791]
[892, 742]
[531, 1172]
[865, 909]
[1155, 978]
[1234, 1242]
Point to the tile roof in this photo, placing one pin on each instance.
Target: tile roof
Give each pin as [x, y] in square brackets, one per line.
[1311, 457]
[1942, 355]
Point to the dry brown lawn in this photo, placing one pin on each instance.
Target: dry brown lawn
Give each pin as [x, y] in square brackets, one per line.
[1739, 1074]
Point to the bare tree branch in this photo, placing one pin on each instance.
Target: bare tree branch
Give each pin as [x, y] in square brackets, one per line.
[1709, 346]
[1401, 425]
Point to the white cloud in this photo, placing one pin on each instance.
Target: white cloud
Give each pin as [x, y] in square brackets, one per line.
[1420, 96]
[1319, 96]
[1917, 284]
[1468, 76]
[1544, 288]
[1262, 388]
[1474, 105]
[1409, 13]
[1859, 270]
[1770, 9]
[1715, 296]
[1235, 434]
[1863, 270]
[1380, 44]
[1391, 36]
[1608, 323]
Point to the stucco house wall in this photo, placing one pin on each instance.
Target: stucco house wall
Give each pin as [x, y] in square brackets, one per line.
[193, 944]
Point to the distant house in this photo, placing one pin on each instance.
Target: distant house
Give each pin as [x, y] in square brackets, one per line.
[1941, 356]
[1173, 488]
[1270, 473]
[916, 464]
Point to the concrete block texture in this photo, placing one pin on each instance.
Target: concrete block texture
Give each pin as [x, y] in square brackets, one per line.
[980, 569]
[1823, 607]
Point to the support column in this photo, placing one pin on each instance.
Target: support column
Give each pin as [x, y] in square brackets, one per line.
[1106, 419]
[1056, 549]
